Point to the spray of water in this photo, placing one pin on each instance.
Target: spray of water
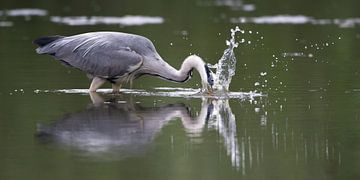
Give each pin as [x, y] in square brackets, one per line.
[226, 67]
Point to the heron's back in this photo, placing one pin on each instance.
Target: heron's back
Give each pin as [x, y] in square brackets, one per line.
[105, 54]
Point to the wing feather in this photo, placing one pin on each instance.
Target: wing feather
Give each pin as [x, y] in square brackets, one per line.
[96, 54]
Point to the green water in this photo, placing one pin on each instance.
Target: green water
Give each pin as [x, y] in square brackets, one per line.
[305, 126]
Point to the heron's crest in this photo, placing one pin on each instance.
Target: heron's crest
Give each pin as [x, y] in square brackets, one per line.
[43, 41]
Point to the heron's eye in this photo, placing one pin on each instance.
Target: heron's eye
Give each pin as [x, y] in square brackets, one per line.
[191, 73]
[210, 80]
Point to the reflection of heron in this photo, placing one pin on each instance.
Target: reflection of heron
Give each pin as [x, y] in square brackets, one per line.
[117, 128]
[118, 58]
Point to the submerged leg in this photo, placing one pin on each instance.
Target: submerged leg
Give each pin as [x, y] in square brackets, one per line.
[96, 83]
[116, 88]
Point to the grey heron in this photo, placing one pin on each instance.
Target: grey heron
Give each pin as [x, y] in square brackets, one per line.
[119, 58]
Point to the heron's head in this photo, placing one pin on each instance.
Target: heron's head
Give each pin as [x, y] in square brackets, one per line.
[195, 62]
[210, 78]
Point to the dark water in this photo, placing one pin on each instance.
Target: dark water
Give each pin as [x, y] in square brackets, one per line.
[302, 56]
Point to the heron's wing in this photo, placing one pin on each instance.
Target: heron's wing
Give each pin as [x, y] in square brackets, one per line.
[95, 55]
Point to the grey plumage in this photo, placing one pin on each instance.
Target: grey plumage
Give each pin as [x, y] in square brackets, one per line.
[118, 58]
[117, 52]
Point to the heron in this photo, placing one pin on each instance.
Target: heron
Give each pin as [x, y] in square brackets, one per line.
[119, 58]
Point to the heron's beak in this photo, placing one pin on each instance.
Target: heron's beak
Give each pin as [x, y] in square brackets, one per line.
[210, 79]
[210, 89]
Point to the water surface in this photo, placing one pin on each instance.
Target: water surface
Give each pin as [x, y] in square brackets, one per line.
[297, 73]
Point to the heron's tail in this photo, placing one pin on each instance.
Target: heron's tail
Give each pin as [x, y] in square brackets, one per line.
[43, 41]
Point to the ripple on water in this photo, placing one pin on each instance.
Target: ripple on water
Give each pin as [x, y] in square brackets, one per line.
[24, 12]
[232, 4]
[6, 23]
[297, 54]
[298, 19]
[128, 20]
[164, 92]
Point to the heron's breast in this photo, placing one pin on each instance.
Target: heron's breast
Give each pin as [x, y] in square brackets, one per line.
[127, 76]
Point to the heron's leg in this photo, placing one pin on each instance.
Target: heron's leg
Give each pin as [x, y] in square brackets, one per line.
[96, 98]
[116, 88]
[96, 83]
[131, 83]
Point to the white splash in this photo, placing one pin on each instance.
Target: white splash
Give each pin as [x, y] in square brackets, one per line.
[128, 20]
[226, 67]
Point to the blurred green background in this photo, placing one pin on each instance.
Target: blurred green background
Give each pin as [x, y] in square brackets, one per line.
[302, 55]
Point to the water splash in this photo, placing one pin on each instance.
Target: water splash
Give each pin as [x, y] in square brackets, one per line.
[226, 67]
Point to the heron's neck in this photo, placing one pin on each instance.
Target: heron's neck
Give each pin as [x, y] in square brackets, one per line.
[190, 63]
[164, 70]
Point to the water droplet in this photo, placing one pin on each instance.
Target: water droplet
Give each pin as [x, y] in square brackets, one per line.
[263, 73]
[339, 37]
[310, 55]
[228, 43]
[249, 42]
[250, 32]
[171, 44]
